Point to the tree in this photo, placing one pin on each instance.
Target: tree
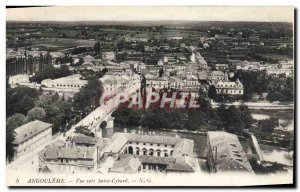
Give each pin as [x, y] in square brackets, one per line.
[15, 121]
[12, 123]
[267, 167]
[212, 93]
[80, 61]
[89, 96]
[103, 125]
[97, 47]
[84, 130]
[234, 120]
[246, 116]
[265, 128]
[104, 70]
[160, 72]
[50, 72]
[20, 100]
[57, 111]
[36, 113]
[10, 137]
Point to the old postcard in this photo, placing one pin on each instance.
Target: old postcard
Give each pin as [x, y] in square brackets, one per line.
[150, 96]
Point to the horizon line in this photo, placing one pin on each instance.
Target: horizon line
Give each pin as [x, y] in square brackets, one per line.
[246, 21]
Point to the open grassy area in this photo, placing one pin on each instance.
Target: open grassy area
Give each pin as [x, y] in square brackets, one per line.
[63, 43]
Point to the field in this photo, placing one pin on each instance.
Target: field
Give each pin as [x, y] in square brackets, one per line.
[56, 44]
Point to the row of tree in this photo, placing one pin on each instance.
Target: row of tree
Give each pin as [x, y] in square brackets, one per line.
[50, 72]
[27, 64]
[232, 119]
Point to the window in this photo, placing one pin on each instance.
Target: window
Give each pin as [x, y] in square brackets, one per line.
[144, 143]
[151, 153]
[67, 160]
[144, 152]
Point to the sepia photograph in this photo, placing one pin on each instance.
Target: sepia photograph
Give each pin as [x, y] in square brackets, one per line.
[149, 96]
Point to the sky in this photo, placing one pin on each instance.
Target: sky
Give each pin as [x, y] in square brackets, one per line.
[135, 13]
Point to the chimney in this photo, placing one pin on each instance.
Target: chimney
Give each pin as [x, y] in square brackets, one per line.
[68, 144]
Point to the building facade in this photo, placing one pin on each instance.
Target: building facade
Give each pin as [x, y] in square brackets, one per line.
[31, 136]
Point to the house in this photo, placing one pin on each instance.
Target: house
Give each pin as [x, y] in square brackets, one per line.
[84, 141]
[280, 71]
[68, 158]
[248, 66]
[108, 56]
[226, 87]
[225, 153]
[31, 136]
[88, 60]
[21, 80]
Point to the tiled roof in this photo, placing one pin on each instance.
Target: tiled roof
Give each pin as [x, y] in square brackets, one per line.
[128, 164]
[180, 166]
[216, 73]
[51, 151]
[227, 152]
[173, 164]
[29, 130]
[77, 153]
[83, 139]
[185, 147]
[109, 79]
[153, 139]
[55, 152]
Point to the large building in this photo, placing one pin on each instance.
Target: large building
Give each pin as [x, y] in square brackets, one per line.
[31, 136]
[152, 153]
[114, 82]
[225, 153]
[226, 87]
[122, 153]
[157, 82]
[71, 83]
